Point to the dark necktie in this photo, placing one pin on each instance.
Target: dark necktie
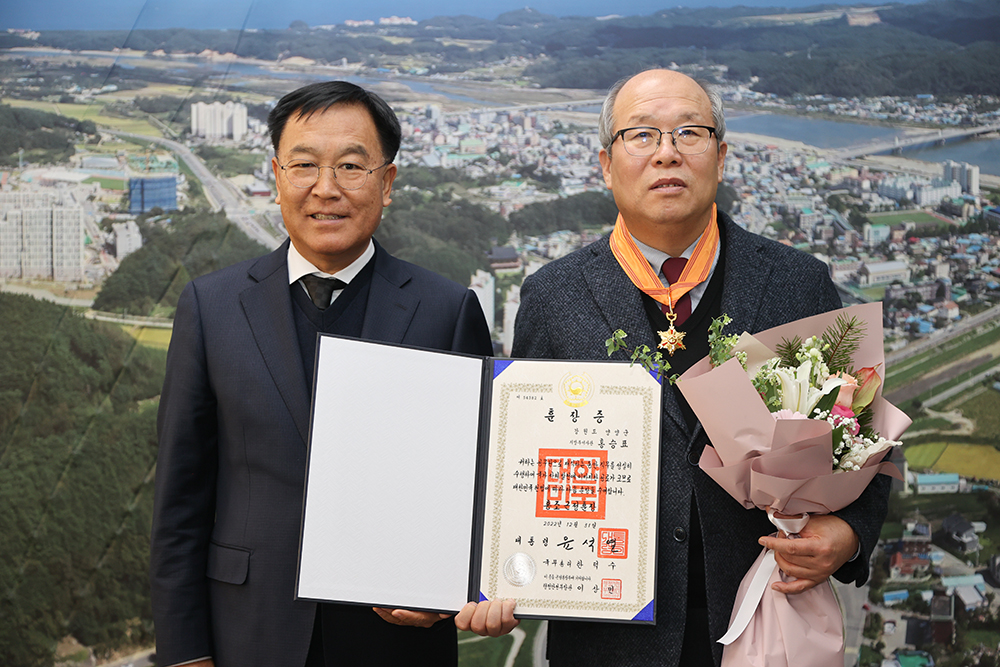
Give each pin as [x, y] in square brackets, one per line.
[672, 269]
[321, 289]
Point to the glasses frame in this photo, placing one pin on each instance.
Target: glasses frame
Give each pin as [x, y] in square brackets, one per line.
[319, 171]
[659, 139]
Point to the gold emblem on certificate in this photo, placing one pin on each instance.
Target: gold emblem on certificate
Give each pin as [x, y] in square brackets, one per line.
[576, 389]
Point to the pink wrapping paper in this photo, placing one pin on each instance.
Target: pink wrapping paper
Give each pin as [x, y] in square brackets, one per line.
[785, 464]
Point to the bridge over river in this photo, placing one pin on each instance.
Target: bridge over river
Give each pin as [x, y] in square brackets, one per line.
[898, 144]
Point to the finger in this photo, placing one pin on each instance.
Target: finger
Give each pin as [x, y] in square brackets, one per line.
[494, 619]
[479, 619]
[793, 587]
[797, 571]
[509, 622]
[800, 548]
[420, 619]
[463, 621]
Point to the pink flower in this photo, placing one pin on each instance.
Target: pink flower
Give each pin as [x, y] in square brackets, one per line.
[846, 396]
[845, 416]
[787, 414]
[840, 411]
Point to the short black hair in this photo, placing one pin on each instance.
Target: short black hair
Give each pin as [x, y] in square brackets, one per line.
[307, 100]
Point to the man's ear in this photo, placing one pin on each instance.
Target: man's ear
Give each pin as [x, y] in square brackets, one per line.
[723, 149]
[277, 175]
[387, 180]
[605, 157]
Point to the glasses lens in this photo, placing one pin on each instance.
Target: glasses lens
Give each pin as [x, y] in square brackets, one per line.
[641, 141]
[350, 176]
[302, 174]
[691, 140]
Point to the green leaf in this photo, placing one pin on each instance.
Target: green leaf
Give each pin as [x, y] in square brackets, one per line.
[786, 351]
[844, 340]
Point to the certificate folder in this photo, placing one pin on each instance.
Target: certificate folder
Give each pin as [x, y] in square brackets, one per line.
[437, 478]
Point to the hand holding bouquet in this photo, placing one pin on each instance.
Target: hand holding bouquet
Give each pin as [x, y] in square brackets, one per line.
[798, 426]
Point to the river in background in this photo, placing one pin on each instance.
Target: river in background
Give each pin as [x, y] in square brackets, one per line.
[817, 132]
[833, 134]
[813, 131]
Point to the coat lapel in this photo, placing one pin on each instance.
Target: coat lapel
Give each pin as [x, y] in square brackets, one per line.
[268, 308]
[390, 309]
[621, 305]
[746, 280]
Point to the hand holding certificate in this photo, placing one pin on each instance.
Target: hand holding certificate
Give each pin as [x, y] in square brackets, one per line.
[437, 479]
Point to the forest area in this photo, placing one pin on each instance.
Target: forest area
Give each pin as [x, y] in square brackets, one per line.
[77, 430]
[44, 137]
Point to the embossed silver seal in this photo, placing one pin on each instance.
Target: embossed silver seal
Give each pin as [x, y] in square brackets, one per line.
[519, 569]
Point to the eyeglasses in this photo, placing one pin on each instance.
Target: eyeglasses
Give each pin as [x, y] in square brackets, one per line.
[687, 139]
[349, 176]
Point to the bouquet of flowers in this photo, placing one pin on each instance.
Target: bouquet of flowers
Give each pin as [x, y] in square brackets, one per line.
[803, 430]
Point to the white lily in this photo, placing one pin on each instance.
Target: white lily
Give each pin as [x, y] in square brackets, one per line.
[797, 391]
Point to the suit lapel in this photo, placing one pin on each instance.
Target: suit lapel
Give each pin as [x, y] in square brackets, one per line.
[268, 308]
[746, 280]
[390, 309]
[621, 305]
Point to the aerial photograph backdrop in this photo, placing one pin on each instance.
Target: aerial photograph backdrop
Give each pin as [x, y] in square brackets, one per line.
[135, 157]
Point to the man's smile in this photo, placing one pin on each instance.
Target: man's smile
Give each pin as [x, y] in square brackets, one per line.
[668, 183]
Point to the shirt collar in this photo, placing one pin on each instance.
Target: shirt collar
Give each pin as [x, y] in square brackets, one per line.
[656, 258]
[299, 266]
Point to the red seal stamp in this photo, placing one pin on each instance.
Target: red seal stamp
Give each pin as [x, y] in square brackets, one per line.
[571, 483]
[611, 589]
[612, 543]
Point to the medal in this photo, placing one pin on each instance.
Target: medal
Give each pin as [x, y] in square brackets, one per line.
[639, 272]
[671, 339]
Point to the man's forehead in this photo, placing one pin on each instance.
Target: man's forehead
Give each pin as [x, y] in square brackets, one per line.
[355, 128]
[659, 92]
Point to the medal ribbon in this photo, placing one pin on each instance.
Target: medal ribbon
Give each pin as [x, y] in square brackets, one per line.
[642, 275]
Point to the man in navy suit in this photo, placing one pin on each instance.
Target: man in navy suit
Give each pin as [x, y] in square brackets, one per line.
[663, 157]
[235, 408]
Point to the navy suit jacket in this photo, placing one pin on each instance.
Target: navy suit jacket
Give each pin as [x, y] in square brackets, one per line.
[233, 426]
[568, 309]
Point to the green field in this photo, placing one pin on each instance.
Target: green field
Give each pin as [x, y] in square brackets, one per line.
[898, 218]
[968, 460]
[107, 183]
[485, 651]
[150, 336]
[931, 424]
[920, 457]
[984, 409]
[980, 461]
[988, 638]
[922, 364]
[94, 112]
[937, 506]
[875, 293]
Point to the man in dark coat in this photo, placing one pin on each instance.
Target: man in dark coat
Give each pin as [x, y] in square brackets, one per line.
[235, 408]
[663, 157]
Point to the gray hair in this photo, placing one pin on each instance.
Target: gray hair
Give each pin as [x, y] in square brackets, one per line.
[606, 122]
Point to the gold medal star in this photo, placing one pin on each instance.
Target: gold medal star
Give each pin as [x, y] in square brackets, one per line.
[670, 340]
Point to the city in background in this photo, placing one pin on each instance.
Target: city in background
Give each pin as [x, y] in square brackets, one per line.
[133, 161]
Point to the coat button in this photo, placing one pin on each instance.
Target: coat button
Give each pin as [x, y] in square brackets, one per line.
[680, 534]
[694, 455]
